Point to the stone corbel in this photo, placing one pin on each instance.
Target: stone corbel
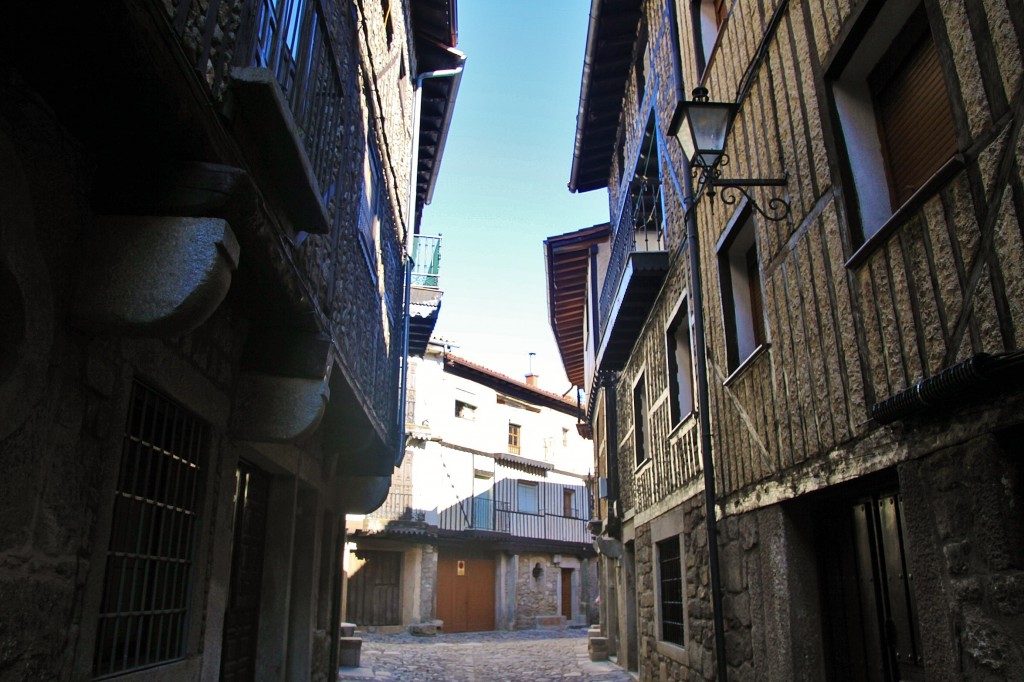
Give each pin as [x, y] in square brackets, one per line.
[154, 276]
[283, 390]
[363, 494]
[277, 409]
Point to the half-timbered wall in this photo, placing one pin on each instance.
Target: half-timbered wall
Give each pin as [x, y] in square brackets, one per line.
[848, 322]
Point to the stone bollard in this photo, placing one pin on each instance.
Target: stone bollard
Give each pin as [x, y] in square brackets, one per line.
[348, 651]
[597, 647]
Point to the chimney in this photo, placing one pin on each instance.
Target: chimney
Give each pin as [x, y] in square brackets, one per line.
[531, 378]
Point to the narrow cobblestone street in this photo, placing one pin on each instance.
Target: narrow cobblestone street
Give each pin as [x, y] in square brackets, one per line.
[523, 656]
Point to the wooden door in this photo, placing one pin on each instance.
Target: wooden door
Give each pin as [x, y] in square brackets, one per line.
[567, 594]
[241, 619]
[374, 592]
[465, 593]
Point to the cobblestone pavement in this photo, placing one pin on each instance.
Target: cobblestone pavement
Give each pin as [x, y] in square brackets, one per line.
[522, 656]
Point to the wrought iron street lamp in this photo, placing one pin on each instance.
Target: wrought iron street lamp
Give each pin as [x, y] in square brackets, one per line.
[702, 129]
[702, 126]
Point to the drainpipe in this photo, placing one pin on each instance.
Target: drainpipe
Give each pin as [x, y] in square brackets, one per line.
[410, 228]
[707, 463]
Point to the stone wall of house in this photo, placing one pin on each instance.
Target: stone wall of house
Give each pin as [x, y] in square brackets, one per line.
[62, 447]
[964, 530]
[697, 657]
[964, 514]
[536, 596]
[428, 583]
[64, 391]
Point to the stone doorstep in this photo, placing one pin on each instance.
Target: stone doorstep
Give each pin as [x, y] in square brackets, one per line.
[597, 647]
[549, 622]
[349, 649]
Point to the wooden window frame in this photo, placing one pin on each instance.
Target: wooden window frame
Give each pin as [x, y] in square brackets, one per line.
[515, 434]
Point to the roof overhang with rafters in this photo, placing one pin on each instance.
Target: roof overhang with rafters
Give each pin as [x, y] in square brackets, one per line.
[567, 262]
[606, 66]
[435, 34]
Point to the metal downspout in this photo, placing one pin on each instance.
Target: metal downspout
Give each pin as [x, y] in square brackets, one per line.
[410, 228]
[703, 400]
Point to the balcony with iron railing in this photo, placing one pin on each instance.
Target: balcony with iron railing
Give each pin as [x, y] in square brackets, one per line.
[638, 263]
[425, 295]
[426, 254]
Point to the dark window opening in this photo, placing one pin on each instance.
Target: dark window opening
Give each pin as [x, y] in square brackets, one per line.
[871, 630]
[389, 26]
[640, 421]
[742, 295]
[707, 17]
[680, 364]
[640, 72]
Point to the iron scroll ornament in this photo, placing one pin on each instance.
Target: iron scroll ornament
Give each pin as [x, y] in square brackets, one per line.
[710, 181]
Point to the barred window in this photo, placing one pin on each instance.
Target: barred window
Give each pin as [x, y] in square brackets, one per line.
[671, 592]
[143, 619]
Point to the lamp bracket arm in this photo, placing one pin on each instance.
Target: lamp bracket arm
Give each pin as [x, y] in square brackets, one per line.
[777, 210]
[751, 182]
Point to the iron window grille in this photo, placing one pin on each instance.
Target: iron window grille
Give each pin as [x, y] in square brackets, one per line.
[144, 613]
[670, 579]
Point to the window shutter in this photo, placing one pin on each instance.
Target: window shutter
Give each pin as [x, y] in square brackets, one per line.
[915, 122]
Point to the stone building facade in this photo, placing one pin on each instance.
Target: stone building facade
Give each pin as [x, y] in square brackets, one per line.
[841, 386]
[485, 526]
[205, 213]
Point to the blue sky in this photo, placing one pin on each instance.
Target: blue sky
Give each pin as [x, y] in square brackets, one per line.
[502, 186]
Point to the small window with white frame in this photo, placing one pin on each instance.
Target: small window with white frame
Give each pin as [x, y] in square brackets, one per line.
[742, 294]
